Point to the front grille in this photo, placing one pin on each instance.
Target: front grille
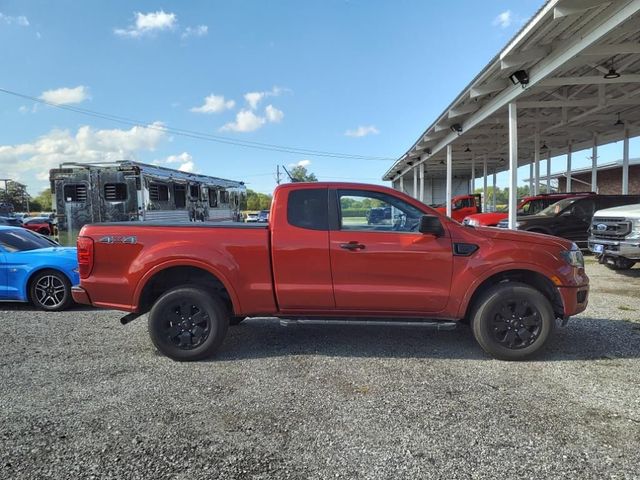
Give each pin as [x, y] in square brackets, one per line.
[610, 227]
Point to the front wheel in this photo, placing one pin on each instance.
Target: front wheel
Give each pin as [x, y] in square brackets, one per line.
[512, 321]
[50, 290]
[187, 323]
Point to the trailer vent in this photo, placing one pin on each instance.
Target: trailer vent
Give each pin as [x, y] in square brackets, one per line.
[115, 192]
[75, 192]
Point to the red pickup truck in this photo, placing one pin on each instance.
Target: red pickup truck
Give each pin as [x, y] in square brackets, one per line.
[321, 259]
[462, 206]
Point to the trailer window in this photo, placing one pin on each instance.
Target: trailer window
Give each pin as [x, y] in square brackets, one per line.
[213, 197]
[115, 192]
[309, 208]
[75, 192]
[224, 197]
[158, 192]
[194, 191]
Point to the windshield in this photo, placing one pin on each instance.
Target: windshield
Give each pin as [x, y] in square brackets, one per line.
[556, 208]
[20, 240]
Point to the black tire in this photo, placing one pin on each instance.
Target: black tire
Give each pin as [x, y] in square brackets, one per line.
[619, 263]
[236, 320]
[50, 290]
[512, 321]
[188, 323]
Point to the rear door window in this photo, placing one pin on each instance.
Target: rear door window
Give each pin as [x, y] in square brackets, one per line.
[309, 208]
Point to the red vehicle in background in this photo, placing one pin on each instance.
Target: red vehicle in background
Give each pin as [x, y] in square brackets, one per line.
[42, 225]
[462, 206]
[527, 206]
[322, 259]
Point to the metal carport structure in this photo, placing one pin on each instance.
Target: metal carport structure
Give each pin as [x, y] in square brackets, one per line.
[576, 84]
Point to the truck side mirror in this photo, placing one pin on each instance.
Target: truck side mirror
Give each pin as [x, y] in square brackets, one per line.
[430, 224]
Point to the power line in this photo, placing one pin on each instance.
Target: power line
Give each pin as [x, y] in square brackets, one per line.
[198, 135]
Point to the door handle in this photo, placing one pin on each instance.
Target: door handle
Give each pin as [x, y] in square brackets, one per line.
[352, 246]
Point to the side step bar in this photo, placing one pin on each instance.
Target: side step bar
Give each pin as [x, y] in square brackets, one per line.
[431, 324]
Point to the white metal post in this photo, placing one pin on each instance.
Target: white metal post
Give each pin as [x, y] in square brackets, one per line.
[513, 164]
[484, 187]
[472, 188]
[536, 163]
[549, 171]
[568, 189]
[625, 163]
[449, 177]
[415, 183]
[594, 165]
[402, 183]
[493, 193]
[421, 197]
[531, 178]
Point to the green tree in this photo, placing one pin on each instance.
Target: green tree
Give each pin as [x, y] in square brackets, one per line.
[16, 195]
[258, 201]
[300, 174]
[43, 200]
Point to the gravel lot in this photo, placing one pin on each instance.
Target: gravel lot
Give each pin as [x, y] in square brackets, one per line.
[84, 397]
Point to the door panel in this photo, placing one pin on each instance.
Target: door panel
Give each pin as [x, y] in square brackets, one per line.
[300, 251]
[394, 272]
[387, 266]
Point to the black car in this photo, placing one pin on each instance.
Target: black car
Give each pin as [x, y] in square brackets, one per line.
[570, 218]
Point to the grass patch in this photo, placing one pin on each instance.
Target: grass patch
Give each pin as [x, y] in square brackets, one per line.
[626, 309]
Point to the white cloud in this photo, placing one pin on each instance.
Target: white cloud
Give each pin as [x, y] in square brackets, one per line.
[184, 161]
[66, 96]
[23, 109]
[362, 131]
[30, 162]
[198, 31]
[214, 104]
[20, 20]
[301, 163]
[148, 23]
[246, 121]
[254, 98]
[273, 114]
[503, 20]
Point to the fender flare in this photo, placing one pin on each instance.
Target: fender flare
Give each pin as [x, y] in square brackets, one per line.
[186, 262]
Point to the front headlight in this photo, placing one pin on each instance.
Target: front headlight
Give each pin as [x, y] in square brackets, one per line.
[573, 257]
[472, 221]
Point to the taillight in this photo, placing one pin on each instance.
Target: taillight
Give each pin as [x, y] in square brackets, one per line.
[85, 256]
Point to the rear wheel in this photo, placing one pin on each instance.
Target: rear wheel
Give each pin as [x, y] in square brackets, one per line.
[512, 321]
[187, 323]
[50, 290]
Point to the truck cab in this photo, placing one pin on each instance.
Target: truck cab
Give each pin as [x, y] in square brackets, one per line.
[462, 206]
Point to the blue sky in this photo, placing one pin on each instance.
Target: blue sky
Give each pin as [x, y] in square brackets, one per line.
[357, 77]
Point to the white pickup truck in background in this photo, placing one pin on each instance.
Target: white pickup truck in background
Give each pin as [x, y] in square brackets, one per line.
[615, 236]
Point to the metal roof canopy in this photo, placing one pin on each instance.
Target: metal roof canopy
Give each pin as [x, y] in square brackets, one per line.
[566, 49]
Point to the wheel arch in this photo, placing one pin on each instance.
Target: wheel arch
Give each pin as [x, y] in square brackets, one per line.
[171, 275]
[26, 287]
[530, 277]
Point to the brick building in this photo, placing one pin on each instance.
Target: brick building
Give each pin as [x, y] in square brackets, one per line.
[609, 178]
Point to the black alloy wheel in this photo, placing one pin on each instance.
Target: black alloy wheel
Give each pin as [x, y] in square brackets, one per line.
[50, 290]
[188, 323]
[512, 320]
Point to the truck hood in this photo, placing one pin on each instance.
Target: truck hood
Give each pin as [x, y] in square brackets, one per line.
[522, 237]
[627, 211]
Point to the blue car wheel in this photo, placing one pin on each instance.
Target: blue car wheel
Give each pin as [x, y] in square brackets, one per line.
[50, 290]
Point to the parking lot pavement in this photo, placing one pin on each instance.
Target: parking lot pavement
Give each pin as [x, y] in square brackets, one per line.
[84, 397]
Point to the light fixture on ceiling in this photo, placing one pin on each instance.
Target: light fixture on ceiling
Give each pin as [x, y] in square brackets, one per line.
[612, 73]
[544, 147]
[441, 162]
[519, 77]
[427, 151]
[467, 150]
[456, 128]
[409, 163]
[619, 123]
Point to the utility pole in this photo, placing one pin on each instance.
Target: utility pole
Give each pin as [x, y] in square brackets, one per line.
[278, 174]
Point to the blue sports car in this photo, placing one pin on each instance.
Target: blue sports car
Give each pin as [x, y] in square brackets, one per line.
[35, 269]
